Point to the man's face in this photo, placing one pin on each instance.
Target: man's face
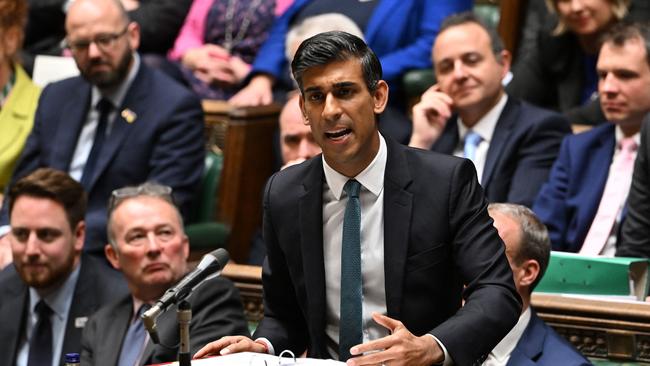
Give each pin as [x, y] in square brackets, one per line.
[341, 112]
[296, 139]
[45, 248]
[105, 62]
[585, 17]
[152, 248]
[510, 232]
[624, 82]
[467, 69]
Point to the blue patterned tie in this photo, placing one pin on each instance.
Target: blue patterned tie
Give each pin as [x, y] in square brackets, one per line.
[40, 344]
[134, 340]
[472, 139]
[351, 294]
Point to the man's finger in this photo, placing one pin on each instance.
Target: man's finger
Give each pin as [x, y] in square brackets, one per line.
[214, 348]
[386, 322]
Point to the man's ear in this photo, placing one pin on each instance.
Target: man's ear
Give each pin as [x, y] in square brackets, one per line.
[79, 236]
[380, 97]
[301, 102]
[112, 256]
[530, 270]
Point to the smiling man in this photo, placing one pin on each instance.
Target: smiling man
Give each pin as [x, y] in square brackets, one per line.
[49, 292]
[583, 202]
[467, 113]
[372, 246]
[120, 123]
[150, 248]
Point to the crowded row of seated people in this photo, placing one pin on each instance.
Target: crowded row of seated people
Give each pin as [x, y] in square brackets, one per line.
[122, 123]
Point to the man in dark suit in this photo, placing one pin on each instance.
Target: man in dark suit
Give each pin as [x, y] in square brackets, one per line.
[385, 284]
[467, 113]
[531, 341]
[581, 204]
[120, 123]
[51, 288]
[148, 245]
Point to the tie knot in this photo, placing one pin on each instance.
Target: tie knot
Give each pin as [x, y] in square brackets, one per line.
[43, 309]
[104, 105]
[628, 144]
[352, 188]
[472, 138]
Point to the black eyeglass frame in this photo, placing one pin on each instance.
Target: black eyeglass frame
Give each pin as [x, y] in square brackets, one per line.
[103, 41]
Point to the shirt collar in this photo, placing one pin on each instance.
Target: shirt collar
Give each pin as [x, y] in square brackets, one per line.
[509, 342]
[117, 97]
[486, 125]
[59, 301]
[620, 136]
[371, 178]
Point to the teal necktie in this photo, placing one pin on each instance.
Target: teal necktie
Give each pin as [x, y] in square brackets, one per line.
[472, 139]
[351, 293]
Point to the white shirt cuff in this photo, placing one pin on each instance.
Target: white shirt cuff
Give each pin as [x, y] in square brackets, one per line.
[447, 361]
[4, 230]
[268, 344]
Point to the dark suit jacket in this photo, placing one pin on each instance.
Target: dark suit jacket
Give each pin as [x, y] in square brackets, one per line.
[540, 345]
[160, 21]
[634, 239]
[96, 286]
[216, 312]
[524, 145]
[437, 237]
[568, 202]
[164, 143]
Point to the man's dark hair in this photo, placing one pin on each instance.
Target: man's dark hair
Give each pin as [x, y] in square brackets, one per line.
[535, 243]
[469, 17]
[55, 185]
[328, 47]
[624, 31]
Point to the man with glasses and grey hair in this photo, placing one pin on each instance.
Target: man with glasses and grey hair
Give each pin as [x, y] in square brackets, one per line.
[528, 248]
[150, 248]
[120, 123]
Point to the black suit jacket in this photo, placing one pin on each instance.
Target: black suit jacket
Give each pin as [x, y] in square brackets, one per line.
[96, 286]
[163, 143]
[634, 238]
[437, 238]
[524, 146]
[216, 312]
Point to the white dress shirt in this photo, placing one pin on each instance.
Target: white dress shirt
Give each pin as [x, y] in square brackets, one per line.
[484, 128]
[500, 355]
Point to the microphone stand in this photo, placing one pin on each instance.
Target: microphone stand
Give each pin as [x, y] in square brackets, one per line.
[184, 316]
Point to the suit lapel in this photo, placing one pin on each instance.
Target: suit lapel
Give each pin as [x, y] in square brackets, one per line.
[502, 131]
[397, 224]
[134, 102]
[311, 243]
[448, 141]
[12, 321]
[603, 152]
[73, 117]
[114, 333]
[530, 345]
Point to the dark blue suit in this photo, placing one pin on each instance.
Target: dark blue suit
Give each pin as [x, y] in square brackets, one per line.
[524, 145]
[568, 202]
[163, 143]
[540, 345]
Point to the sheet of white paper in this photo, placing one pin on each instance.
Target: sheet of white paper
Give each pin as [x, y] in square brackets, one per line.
[258, 359]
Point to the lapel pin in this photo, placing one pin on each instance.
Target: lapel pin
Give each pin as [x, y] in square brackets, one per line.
[128, 115]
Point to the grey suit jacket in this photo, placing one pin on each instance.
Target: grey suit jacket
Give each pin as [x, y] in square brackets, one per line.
[96, 286]
[216, 311]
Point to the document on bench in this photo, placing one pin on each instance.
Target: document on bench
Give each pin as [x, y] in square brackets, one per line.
[259, 359]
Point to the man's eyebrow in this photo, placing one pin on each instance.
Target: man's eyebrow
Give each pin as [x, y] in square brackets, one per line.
[312, 89]
[344, 84]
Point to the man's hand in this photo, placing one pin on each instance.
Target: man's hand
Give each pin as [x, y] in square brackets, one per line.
[259, 91]
[228, 345]
[399, 348]
[430, 117]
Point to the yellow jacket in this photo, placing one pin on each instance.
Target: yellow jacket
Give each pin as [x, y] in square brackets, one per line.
[16, 121]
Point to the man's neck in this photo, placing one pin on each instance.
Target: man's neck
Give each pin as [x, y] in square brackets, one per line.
[630, 128]
[471, 115]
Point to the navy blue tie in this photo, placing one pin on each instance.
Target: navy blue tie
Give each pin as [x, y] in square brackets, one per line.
[40, 344]
[351, 288]
[104, 106]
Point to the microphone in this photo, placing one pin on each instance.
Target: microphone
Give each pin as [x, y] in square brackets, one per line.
[210, 266]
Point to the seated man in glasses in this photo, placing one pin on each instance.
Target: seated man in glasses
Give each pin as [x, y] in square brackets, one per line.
[51, 289]
[148, 245]
[120, 123]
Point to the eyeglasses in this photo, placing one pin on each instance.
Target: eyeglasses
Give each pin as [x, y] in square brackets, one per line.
[146, 189]
[103, 41]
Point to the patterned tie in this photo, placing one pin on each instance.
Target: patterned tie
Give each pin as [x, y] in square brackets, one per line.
[134, 340]
[472, 139]
[351, 293]
[40, 344]
[104, 106]
[618, 184]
